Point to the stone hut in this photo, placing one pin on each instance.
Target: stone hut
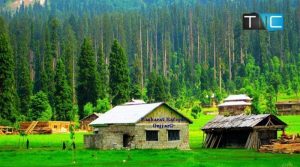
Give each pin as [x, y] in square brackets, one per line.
[235, 105]
[242, 131]
[139, 125]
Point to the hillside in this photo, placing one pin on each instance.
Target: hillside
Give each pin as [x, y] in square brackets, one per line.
[75, 54]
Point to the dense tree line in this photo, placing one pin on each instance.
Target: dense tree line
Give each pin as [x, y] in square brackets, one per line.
[78, 52]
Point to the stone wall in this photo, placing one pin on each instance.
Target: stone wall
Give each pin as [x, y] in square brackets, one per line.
[232, 110]
[162, 143]
[161, 119]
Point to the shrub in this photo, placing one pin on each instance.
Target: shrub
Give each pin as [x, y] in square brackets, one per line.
[195, 111]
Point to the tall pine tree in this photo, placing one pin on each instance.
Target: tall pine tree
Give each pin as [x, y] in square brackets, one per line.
[119, 75]
[8, 95]
[102, 74]
[87, 76]
[63, 94]
[136, 79]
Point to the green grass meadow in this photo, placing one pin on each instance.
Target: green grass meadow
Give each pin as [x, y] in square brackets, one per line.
[45, 150]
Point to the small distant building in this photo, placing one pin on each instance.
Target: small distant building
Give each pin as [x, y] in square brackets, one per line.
[235, 105]
[242, 131]
[84, 123]
[4, 130]
[288, 108]
[45, 127]
[135, 101]
[142, 126]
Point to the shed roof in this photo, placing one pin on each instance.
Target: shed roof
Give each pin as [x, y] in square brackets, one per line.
[129, 114]
[234, 103]
[239, 97]
[97, 114]
[239, 121]
[287, 102]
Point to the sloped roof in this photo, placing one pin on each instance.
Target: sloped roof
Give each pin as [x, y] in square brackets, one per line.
[239, 97]
[128, 114]
[238, 121]
[234, 103]
[97, 114]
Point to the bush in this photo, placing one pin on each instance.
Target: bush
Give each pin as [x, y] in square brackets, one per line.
[40, 108]
[88, 109]
[102, 106]
[196, 110]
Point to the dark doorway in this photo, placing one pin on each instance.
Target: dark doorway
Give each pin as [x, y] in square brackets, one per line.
[126, 140]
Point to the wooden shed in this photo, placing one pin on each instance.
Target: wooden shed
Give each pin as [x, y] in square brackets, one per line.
[7, 130]
[84, 123]
[235, 105]
[288, 108]
[45, 127]
[242, 131]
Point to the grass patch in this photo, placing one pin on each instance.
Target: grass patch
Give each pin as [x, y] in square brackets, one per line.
[46, 151]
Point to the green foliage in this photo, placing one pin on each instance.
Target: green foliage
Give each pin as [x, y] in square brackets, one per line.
[8, 95]
[151, 86]
[158, 88]
[102, 106]
[271, 100]
[119, 75]
[196, 110]
[22, 72]
[88, 109]
[169, 42]
[63, 94]
[136, 79]
[175, 86]
[87, 77]
[40, 108]
[74, 117]
[103, 75]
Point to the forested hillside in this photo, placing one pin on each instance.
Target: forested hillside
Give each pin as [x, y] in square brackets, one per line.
[94, 53]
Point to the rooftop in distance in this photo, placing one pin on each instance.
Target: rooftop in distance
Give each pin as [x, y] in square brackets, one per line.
[239, 97]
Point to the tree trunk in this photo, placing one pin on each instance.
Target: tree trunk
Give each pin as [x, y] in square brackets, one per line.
[198, 47]
[215, 75]
[141, 52]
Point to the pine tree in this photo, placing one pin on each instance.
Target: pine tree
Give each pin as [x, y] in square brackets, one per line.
[69, 52]
[151, 86]
[23, 80]
[102, 75]
[40, 108]
[63, 94]
[24, 86]
[119, 75]
[8, 95]
[87, 77]
[48, 70]
[161, 92]
[136, 79]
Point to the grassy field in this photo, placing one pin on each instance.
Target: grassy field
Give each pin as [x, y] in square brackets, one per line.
[45, 150]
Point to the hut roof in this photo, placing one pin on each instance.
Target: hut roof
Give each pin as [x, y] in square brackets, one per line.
[287, 102]
[240, 121]
[234, 103]
[240, 97]
[129, 114]
[97, 114]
